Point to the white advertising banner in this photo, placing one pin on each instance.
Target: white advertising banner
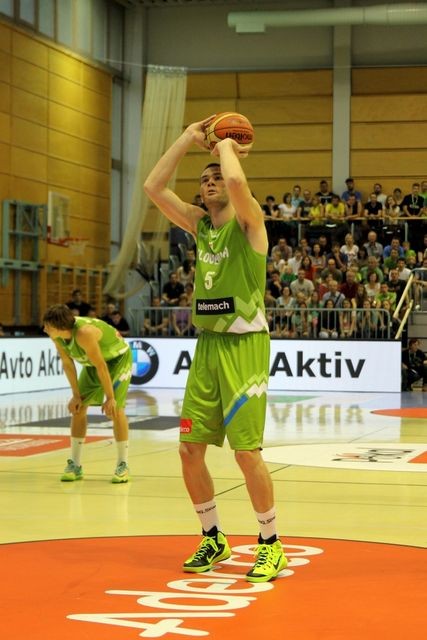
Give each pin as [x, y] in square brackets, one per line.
[32, 364]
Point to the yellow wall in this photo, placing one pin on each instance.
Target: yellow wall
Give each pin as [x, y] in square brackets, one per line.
[55, 135]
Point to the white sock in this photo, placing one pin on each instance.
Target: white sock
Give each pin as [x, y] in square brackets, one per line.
[208, 515]
[122, 451]
[76, 450]
[267, 523]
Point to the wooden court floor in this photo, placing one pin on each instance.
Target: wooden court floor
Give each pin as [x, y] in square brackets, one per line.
[96, 560]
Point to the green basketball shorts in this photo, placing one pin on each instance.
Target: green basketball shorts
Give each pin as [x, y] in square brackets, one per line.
[90, 387]
[226, 392]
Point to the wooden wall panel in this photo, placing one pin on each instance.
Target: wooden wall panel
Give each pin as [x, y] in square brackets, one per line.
[394, 108]
[95, 182]
[388, 136]
[389, 80]
[214, 85]
[302, 137]
[5, 120]
[95, 80]
[399, 164]
[287, 110]
[29, 106]
[4, 158]
[65, 66]
[5, 38]
[63, 174]
[96, 104]
[4, 97]
[26, 48]
[5, 67]
[4, 187]
[29, 77]
[27, 164]
[65, 92]
[277, 84]
[29, 135]
[29, 190]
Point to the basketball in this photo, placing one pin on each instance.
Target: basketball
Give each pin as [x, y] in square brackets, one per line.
[229, 125]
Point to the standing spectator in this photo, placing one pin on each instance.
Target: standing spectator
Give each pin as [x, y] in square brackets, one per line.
[78, 304]
[172, 290]
[351, 191]
[373, 212]
[270, 208]
[413, 203]
[316, 213]
[305, 205]
[185, 272]
[324, 194]
[347, 319]
[328, 321]
[367, 321]
[378, 190]
[423, 191]
[274, 285]
[107, 317]
[296, 196]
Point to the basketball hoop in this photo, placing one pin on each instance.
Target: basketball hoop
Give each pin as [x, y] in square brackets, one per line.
[77, 245]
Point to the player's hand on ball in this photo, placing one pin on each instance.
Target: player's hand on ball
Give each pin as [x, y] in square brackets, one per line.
[198, 132]
[241, 150]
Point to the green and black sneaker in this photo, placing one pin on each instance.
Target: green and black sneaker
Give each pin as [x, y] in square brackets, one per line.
[270, 560]
[211, 550]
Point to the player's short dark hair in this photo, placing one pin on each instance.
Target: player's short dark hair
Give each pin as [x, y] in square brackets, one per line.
[59, 316]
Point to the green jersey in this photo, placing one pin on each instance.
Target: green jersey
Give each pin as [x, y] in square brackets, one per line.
[230, 280]
[111, 343]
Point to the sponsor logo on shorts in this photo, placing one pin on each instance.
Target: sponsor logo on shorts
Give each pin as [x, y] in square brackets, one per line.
[185, 425]
[214, 306]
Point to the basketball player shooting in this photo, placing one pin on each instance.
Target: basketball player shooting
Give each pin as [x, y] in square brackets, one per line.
[226, 389]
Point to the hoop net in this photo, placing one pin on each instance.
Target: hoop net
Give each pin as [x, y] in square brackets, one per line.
[77, 245]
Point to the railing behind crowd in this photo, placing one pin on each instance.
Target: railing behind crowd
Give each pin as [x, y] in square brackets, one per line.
[298, 322]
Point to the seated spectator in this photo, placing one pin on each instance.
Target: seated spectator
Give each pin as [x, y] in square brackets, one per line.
[287, 210]
[110, 308]
[372, 287]
[285, 305]
[392, 213]
[304, 247]
[328, 321]
[362, 258]
[388, 325]
[373, 247]
[278, 262]
[156, 322]
[307, 265]
[120, 323]
[314, 307]
[78, 304]
[92, 312]
[283, 247]
[339, 257]
[351, 191]
[390, 262]
[398, 196]
[349, 288]
[395, 284]
[421, 253]
[301, 322]
[172, 290]
[287, 276]
[333, 294]
[367, 322]
[402, 269]
[331, 270]
[350, 249]
[185, 272]
[394, 244]
[414, 365]
[361, 296]
[371, 266]
[274, 286]
[318, 259]
[347, 320]
[181, 318]
[385, 294]
[423, 191]
[295, 261]
[302, 284]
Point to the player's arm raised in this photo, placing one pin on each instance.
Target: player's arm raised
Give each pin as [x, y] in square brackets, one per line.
[181, 213]
[248, 210]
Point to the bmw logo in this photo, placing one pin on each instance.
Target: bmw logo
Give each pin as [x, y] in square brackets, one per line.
[145, 362]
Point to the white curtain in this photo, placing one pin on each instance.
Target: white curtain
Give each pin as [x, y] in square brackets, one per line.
[162, 123]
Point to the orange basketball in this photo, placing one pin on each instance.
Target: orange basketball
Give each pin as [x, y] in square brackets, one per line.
[229, 125]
